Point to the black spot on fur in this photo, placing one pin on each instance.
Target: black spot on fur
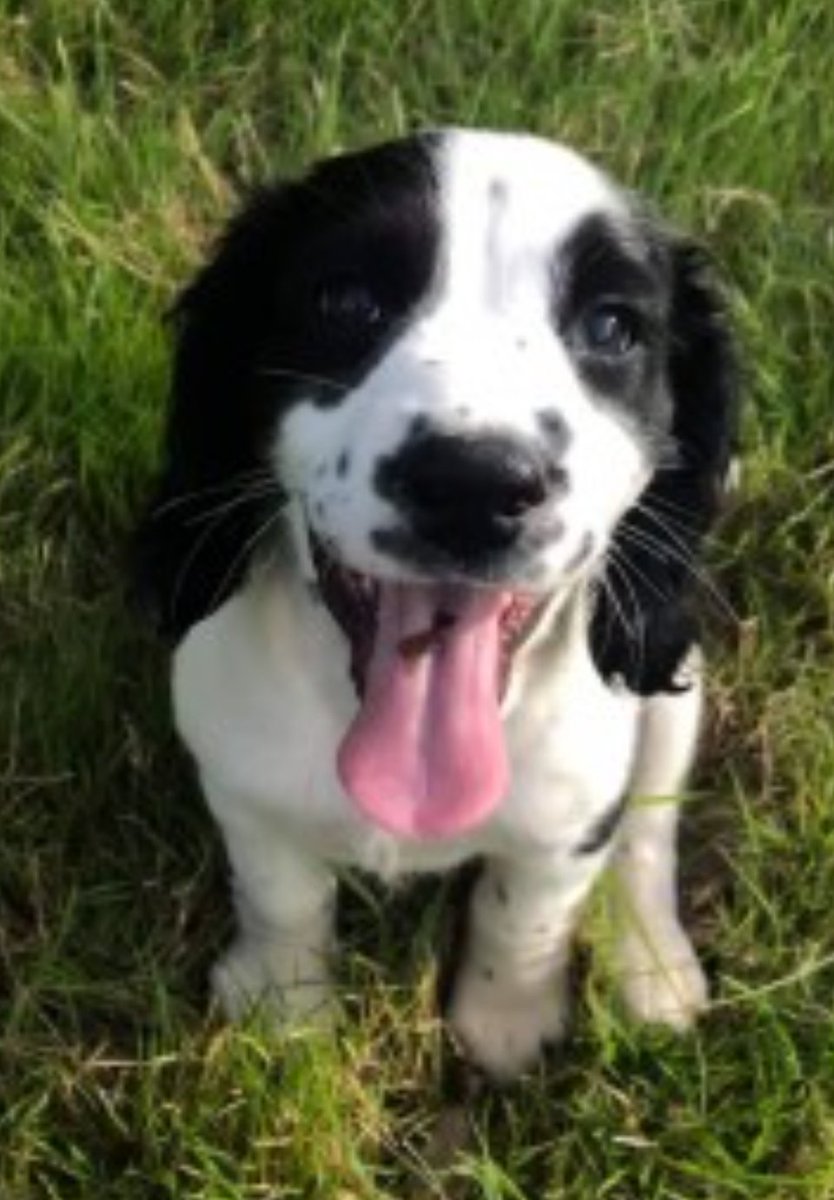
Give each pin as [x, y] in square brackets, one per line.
[603, 829]
[343, 464]
[498, 192]
[455, 938]
[555, 430]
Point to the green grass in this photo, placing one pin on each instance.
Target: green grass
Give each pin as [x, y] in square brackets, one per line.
[126, 129]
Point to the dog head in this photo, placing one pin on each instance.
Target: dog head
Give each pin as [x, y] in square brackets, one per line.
[478, 374]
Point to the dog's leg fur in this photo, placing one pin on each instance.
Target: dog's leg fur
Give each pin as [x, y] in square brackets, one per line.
[657, 968]
[284, 900]
[510, 995]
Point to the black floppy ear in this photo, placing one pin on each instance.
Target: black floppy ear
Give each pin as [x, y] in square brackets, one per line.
[644, 621]
[196, 539]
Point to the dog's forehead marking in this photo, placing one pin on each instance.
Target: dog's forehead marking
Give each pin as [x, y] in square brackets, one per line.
[508, 202]
[497, 201]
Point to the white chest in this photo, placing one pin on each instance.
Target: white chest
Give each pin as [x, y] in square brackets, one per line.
[263, 700]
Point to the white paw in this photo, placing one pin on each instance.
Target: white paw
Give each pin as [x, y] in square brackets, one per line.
[661, 980]
[504, 1027]
[284, 988]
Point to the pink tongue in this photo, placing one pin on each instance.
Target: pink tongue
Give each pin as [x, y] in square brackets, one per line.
[425, 755]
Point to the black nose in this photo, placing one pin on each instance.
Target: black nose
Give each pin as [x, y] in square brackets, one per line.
[469, 495]
[495, 475]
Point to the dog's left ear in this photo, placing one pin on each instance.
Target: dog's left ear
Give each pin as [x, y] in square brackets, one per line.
[213, 499]
[644, 622]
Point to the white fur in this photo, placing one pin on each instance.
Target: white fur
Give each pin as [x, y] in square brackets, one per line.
[661, 977]
[262, 690]
[263, 698]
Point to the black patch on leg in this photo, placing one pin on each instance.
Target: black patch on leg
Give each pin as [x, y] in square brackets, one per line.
[455, 940]
[603, 828]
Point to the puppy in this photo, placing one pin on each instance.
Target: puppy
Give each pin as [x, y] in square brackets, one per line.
[450, 418]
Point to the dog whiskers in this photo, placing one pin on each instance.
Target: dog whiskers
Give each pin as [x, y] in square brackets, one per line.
[674, 551]
[258, 475]
[200, 545]
[243, 554]
[631, 632]
[262, 492]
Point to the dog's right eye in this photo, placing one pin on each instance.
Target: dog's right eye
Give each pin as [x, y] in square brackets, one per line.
[611, 329]
[348, 306]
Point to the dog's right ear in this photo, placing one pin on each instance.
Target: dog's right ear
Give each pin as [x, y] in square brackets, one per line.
[196, 539]
[645, 622]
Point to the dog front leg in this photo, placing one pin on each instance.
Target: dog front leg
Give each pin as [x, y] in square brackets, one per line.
[510, 996]
[284, 902]
[658, 969]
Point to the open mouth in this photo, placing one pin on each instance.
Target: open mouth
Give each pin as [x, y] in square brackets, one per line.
[425, 755]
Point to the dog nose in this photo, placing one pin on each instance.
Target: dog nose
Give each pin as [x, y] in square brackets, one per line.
[495, 476]
[471, 495]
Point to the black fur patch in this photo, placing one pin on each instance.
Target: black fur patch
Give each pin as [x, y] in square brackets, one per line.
[658, 543]
[306, 289]
[598, 266]
[603, 829]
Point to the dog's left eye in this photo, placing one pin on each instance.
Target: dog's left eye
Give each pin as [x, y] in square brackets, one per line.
[611, 329]
[349, 305]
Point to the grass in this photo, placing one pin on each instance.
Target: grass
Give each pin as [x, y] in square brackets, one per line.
[125, 132]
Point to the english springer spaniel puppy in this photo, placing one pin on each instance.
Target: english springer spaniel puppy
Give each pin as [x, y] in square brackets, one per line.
[450, 418]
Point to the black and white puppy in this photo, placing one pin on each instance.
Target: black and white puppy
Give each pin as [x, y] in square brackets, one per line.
[450, 418]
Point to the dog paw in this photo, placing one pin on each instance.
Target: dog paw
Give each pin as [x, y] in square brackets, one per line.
[502, 1027]
[661, 980]
[285, 990]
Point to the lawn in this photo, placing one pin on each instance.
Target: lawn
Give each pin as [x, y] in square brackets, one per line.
[127, 128]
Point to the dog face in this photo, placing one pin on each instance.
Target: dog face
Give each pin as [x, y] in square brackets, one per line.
[511, 404]
[471, 364]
